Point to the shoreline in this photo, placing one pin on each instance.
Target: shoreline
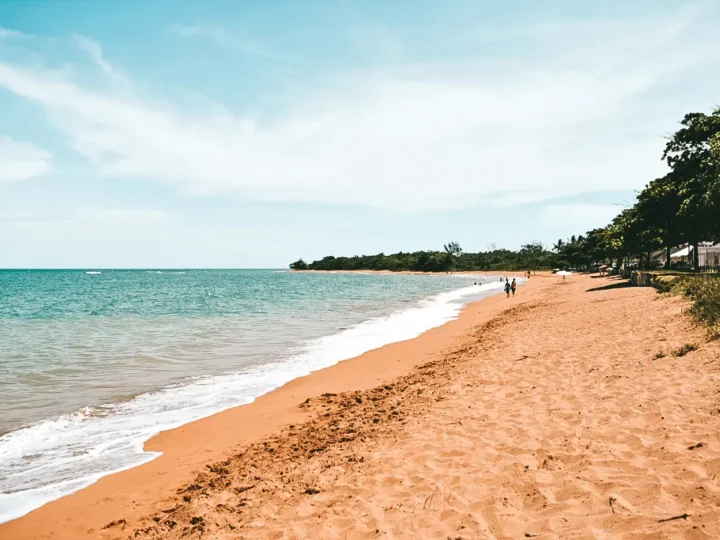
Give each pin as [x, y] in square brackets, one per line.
[185, 450]
[558, 414]
[167, 407]
[469, 273]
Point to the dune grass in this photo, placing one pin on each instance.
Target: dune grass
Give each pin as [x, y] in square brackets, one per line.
[704, 293]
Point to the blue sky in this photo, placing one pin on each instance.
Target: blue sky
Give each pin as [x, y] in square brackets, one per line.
[247, 134]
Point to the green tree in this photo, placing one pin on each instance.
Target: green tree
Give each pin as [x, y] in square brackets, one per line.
[534, 255]
[690, 153]
[658, 206]
[713, 193]
[299, 265]
[452, 250]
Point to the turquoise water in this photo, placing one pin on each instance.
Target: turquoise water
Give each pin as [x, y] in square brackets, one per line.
[92, 365]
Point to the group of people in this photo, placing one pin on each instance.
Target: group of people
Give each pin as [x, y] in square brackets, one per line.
[510, 286]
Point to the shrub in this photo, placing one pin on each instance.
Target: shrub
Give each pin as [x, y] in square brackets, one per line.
[687, 348]
[704, 292]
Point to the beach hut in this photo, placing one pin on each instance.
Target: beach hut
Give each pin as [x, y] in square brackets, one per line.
[682, 255]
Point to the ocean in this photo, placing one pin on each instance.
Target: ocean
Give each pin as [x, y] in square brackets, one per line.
[94, 363]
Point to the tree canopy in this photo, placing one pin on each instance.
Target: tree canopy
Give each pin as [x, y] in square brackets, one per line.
[682, 207]
[452, 257]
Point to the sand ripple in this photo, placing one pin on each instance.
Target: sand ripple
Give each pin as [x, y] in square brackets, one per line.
[566, 416]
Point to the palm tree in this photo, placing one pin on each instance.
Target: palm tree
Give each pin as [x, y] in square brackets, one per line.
[452, 250]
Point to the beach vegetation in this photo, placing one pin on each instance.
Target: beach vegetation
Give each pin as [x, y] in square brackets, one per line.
[452, 250]
[529, 257]
[704, 294]
[680, 208]
[685, 349]
[299, 265]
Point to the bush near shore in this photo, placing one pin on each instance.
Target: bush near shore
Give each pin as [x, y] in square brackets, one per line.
[704, 293]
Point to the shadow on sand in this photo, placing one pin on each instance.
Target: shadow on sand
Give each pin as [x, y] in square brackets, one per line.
[615, 285]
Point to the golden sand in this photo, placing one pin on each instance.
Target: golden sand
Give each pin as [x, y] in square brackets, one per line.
[560, 413]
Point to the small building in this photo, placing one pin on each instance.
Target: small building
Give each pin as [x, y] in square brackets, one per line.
[681, 255]
[708, 254]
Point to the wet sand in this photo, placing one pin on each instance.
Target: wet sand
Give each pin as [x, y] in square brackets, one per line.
[559, 413]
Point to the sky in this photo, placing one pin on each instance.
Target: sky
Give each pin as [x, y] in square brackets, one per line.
[227, 134]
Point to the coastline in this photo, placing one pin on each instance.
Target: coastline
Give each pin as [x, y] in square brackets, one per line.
[558, 413]
[185, 450]
[478, 273]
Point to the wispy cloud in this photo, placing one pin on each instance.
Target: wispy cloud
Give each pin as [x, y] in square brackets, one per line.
[94, 49]
[576, 216]
[415, 138]
[8, 33]
[22, 160]
[96, 218]
[110, 236]
[223, 37]
[87, 236]
[376, 41]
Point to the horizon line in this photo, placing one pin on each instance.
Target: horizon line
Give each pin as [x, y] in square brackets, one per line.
[89, 268]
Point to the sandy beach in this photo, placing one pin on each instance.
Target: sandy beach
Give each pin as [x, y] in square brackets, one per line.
[565, 412]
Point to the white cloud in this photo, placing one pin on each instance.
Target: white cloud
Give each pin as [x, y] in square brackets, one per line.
[447, 135]
[376, 41]
[92, 224]
[21, 160]
[121, 217]
[8, 33]
[223, 37]
[578, 216]
[121, 237]
[94, 49]
[88, 237]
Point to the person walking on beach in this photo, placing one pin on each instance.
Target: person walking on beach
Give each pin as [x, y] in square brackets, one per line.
[507, 288]
[513, 286]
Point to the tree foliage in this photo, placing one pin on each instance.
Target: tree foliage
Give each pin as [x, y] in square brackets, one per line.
[452, 257]
[299, 265]
[682, 207]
